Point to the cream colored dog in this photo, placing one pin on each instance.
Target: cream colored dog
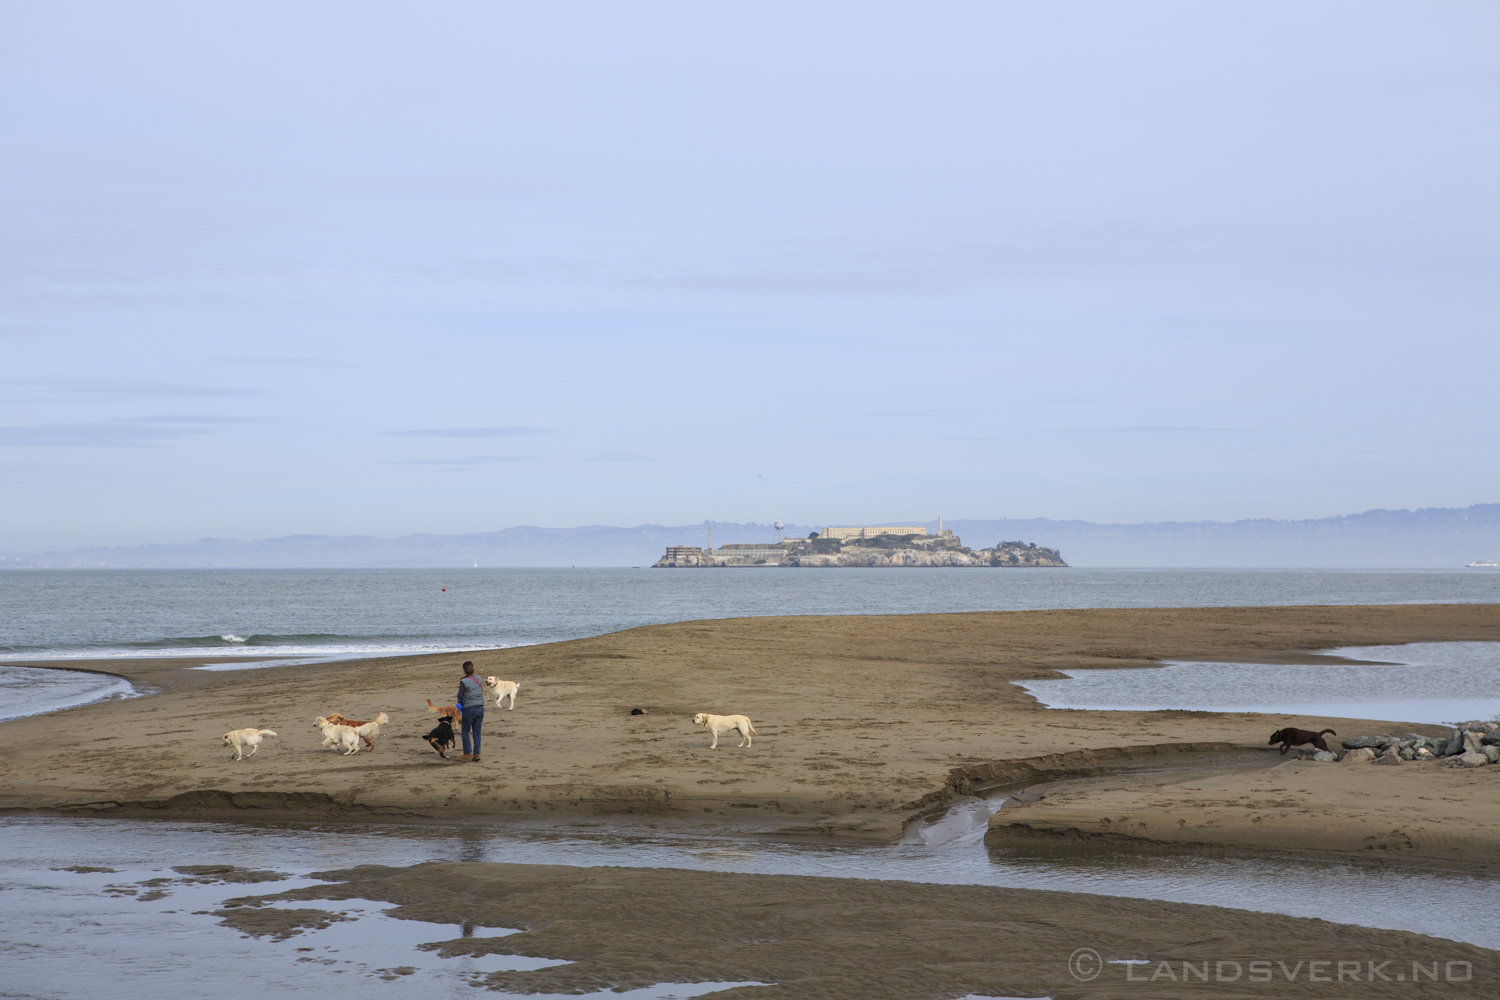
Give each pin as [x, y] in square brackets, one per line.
[337, 735]
[367, 730]
[242, 738]
[723, 725]
[503, 690]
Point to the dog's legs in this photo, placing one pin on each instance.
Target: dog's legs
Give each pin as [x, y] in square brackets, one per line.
[253, 747]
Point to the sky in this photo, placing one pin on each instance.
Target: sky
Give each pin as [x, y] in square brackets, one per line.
[388, 268]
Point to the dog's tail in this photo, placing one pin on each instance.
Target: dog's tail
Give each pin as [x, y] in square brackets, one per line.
[431, 707]
[1330, 732]
[752, 730]
[382, 719]
[266, 732]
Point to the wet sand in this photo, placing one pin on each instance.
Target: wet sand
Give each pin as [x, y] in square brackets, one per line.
[1415, 813]
[863, 722]
[623, 928]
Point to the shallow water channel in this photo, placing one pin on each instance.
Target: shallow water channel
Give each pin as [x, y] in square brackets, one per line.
[153, 927]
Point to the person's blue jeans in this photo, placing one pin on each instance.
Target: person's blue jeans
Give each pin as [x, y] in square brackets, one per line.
[473, 719]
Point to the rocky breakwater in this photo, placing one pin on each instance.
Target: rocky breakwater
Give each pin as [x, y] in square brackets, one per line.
[1471, 744]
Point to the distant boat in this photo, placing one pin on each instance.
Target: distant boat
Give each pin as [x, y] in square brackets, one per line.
[1482, 564]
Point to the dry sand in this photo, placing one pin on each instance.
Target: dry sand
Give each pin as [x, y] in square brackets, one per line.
[623, 928]
[864, 722]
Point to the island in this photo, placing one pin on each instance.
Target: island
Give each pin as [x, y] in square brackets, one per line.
[863, 546]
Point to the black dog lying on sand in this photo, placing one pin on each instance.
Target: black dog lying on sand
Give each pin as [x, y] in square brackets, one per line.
[442, 736]
[1291, 737]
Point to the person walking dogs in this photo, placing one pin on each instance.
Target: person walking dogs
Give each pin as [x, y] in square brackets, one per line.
[470, 703]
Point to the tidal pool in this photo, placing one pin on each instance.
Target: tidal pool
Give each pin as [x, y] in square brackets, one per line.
[154, 929]
[1424, 682]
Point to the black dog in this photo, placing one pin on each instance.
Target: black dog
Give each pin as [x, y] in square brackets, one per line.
[442, 736]
[1291, 737]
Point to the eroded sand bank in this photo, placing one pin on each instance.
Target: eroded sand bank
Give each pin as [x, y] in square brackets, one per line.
[1415, 812]
[624, 928]
[863, 722]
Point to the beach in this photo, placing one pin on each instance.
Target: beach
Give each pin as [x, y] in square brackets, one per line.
[863, 722]
[864, 725]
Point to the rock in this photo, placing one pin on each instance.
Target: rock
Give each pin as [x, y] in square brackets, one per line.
[1490, 739]
[1490, 727]
[1474, 726]
[1473, 760]
[1359, 755]
[1389, 757]
[1471, 742]
[1413, 738]
[1324, 756]
[1422, 753]
[1362, 742]
[1454, 745]
[1493, 753]
[1406, 753]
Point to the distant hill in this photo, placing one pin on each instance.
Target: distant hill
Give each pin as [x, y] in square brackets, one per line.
[1428, 538]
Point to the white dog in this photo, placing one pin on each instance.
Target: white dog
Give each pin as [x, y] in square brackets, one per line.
[723, 725]
[337, 735]
[503, 689]
[242, 738]
[367, 730]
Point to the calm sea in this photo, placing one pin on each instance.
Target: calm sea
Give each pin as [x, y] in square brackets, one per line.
[362, 612]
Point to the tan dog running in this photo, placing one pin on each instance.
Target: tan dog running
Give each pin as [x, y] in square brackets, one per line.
[242, 738]
[366, 730]
[503, 690]
[336, 735]
[723, 725]
[446, 711]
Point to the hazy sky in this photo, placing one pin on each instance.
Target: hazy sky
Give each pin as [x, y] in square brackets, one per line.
[378, 268]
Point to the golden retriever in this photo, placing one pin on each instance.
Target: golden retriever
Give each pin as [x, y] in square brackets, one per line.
[723, 725]
[242, 738]
[503, 690]
[366, 730]
[336, 735]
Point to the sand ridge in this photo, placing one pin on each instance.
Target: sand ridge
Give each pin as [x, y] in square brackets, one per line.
[1418, 811]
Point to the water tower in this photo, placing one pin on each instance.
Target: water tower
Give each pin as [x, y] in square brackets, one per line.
[780, 526]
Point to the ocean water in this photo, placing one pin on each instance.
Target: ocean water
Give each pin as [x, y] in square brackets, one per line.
[347, 613]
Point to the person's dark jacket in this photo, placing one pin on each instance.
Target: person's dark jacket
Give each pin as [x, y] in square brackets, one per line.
[470, 693]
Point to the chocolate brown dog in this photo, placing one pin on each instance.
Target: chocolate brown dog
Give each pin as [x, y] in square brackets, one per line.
[1290, 737]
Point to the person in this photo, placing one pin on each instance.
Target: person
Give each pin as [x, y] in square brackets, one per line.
[470, 702]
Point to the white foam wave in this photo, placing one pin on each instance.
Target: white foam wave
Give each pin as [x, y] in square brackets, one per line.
[231, 637]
